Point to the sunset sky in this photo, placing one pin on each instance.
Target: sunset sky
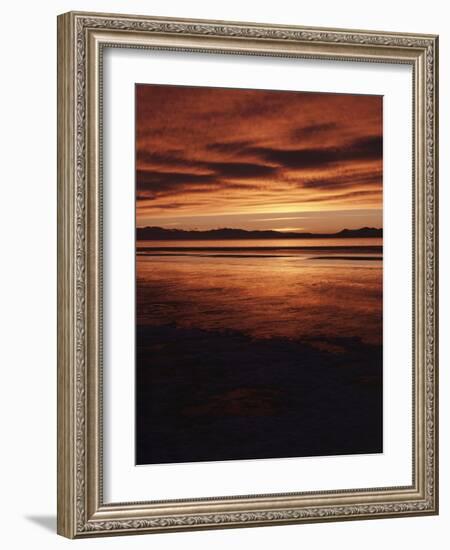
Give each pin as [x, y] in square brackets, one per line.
[210, 158]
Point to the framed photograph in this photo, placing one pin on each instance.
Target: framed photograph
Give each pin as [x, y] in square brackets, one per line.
[247, 276]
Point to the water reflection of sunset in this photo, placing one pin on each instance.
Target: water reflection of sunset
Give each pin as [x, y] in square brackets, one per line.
[301, 298]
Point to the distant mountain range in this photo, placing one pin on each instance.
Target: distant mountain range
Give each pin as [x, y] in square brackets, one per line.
[162, 234]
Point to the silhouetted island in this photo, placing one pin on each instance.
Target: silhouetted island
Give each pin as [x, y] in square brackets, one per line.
[163, 234]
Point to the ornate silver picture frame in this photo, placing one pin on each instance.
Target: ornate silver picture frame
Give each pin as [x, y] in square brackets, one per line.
[82, 508]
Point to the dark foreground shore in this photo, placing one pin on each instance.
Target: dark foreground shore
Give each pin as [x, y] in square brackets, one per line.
[221, 395]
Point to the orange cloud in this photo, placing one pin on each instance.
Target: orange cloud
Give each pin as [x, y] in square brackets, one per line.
[205, 152]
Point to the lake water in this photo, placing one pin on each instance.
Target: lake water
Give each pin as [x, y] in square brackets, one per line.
[304, 289]
[258, 349]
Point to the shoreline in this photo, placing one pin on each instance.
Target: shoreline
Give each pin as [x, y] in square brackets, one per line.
[206, 395]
